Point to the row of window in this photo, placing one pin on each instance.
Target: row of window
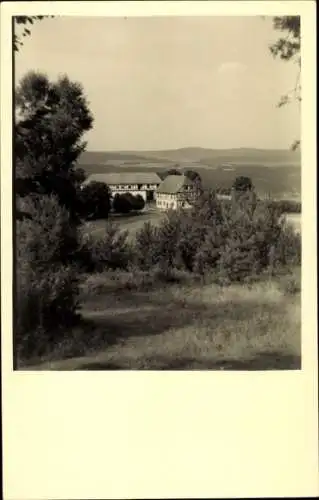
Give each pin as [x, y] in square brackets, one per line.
[132, 186]
[165, 204]
[168, 204]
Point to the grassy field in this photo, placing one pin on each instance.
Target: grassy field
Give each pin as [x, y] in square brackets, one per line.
[185, 326]
[131, 223]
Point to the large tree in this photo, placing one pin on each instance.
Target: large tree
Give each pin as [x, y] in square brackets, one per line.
[287, 48]
[51, 119]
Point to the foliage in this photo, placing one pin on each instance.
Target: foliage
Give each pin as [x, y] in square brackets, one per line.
[243, 183]
[235, 241]
[168, 237]
[193, 176]
[78, 176]
[224, 191]
[51, 118]
[126, 202]
[94, 201]
[146, 250]
[171, 171]
[287, 48]
[287, 206]
[121, 204]
[111, 251]
[46, 304]
[138, 202]
[47, 281]
[24, 22]
[196, 179]
[48, 235]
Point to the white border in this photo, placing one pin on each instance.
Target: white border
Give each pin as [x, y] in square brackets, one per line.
[154, 434]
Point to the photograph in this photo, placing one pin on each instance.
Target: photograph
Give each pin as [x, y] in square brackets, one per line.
[157, 192]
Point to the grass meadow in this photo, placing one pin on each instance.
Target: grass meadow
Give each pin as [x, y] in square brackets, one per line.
[132, 222]
[182, 326]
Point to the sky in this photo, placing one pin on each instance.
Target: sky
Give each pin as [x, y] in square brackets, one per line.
[170, 82]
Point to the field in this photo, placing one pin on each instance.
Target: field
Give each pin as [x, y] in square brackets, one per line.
[131, 223]
[183, 326]
[277, 173]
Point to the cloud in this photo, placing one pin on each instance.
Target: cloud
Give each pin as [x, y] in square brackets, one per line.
[231, 67]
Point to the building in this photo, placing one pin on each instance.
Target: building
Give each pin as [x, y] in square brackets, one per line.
[142, 183]
[174, 192]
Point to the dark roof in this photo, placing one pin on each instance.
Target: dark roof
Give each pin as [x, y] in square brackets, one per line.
[114, 178]
[173, 184]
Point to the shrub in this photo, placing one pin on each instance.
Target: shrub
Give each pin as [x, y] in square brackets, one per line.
[243, 183]
[286, 250]
[94, 201]
[235, 242]
[126, 202]
[169, 232]
[291, 284]
[48, 235]
[226, 191]
[287, 206]
[146, 250]
[122, 203]
[47, 282]
[138, 202]
[111, 251]
[46, 303]
[171, 171]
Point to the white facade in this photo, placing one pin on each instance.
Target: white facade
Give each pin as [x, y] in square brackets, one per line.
[134, 189]
[173, 201]
[144, 184]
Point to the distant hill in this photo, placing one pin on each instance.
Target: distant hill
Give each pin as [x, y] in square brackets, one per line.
[194, 155]
[100, 157]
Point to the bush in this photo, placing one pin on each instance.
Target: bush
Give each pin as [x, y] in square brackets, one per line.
[121, 204]
[234, 242]
[146, 250]
[47, 235]
[47, 281]
[126, 202]
[94, 201]
[171, 171]
[138, 202]
[243, 183]
[46, 303]
[286, 250]
[287, 206]
[112, 251]
[291, 283]
[169, 232]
